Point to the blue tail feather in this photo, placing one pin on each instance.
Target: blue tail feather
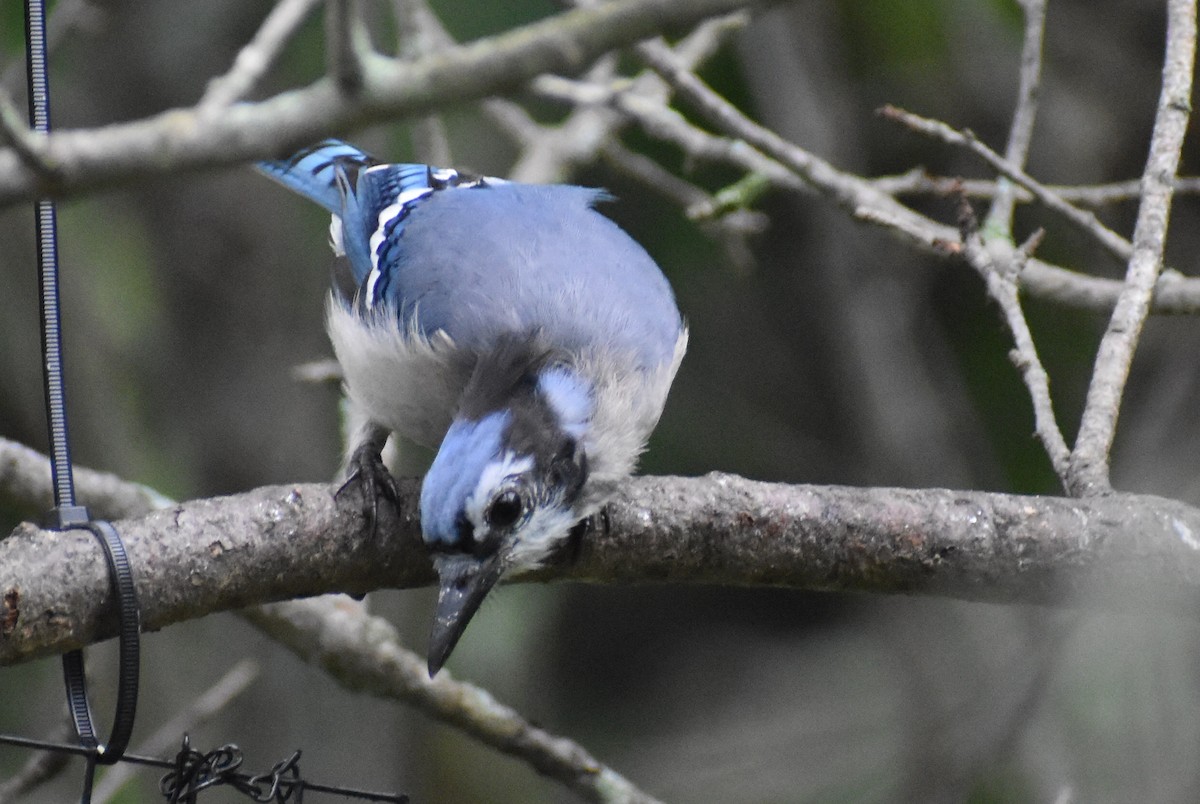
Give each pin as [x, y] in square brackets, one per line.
[314, 172]
[370, 198]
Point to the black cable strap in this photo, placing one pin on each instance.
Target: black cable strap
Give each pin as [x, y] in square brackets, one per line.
[47, 248]
[128, 632]
[66, 513]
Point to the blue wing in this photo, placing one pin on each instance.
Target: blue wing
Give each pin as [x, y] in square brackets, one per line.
[481, 258]
[523, 258]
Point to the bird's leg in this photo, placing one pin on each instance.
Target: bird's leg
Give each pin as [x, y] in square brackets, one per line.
[367, 472]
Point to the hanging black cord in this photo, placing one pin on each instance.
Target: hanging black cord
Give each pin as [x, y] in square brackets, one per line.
[47, 248]
[66, 513]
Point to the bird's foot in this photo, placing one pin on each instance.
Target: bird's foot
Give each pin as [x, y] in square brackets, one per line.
[368, 474]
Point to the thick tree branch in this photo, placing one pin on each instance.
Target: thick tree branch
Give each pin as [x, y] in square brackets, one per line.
[276, 543]
[184, 139]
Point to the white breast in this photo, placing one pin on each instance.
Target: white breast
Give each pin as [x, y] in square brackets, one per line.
[411, 384]
[402, 380]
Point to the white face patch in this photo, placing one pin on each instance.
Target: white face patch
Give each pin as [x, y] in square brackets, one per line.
[540, 535]
[492, 477]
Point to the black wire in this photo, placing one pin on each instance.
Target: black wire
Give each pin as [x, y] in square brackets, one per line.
[226, 761]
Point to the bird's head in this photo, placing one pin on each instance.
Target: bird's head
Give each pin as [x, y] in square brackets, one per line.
[507, 484]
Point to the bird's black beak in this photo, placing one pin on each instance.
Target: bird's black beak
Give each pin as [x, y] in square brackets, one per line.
[464, 583]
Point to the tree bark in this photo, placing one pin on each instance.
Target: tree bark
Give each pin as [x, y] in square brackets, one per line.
[281, 542]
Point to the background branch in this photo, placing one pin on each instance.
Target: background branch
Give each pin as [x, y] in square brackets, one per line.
[165, 740]
[757, 149]
[365, 653]
[182, 139]
[256, 57]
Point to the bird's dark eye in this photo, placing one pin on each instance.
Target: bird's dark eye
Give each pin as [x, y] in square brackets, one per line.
[505, 509]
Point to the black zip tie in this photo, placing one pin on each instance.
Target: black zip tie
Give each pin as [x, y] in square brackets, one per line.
[128, 641]
[66, 514]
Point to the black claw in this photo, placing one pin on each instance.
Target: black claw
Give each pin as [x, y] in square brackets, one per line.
[572, 548]
[372, 480]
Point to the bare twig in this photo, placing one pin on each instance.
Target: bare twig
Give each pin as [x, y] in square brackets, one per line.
[1001, 280]
[256, 58]
[364, 652]
[549, 153]
[728, 227]
[654, 177]
[421, 32]
[552, 153]
[919, 182]
[1082, 219]
[664, 123]
[999, 217]
[577, 140]
[166, 739]
[793, 168]
[1090, 458]
[1002, 288]
[1099, 195]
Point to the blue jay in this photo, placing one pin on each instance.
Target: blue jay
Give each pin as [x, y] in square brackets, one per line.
[511, 327]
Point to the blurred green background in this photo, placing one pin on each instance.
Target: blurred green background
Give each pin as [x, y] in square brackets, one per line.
[839, 357]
